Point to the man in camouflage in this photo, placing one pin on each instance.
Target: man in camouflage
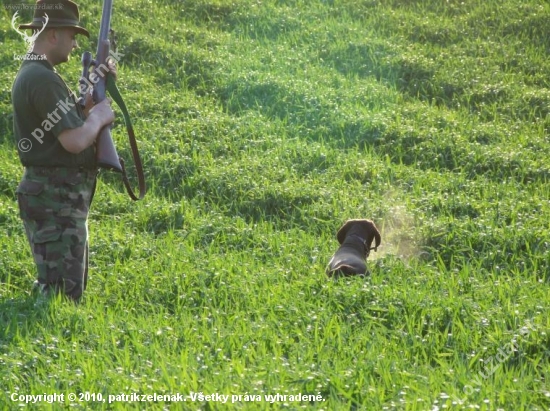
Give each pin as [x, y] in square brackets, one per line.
[55, 138]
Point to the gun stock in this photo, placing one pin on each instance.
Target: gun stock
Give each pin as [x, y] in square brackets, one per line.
[106, 153]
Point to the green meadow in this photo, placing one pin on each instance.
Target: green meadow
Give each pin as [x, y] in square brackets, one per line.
[263, 126]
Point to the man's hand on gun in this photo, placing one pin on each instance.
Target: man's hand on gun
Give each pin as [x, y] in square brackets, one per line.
[89, 101]
[103, 111]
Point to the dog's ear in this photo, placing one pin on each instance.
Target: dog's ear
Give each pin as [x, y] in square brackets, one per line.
[374, 234]
[343, 231]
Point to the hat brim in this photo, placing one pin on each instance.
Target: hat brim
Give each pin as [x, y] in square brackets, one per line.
[79, 30]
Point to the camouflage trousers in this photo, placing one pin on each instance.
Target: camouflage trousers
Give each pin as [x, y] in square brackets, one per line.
[54, 203]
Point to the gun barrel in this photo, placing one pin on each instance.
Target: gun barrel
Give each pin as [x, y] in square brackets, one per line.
[105, 24]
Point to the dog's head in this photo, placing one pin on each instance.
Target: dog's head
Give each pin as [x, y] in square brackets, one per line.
[365, 229]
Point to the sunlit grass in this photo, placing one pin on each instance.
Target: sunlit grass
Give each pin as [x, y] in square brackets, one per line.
[263, 126]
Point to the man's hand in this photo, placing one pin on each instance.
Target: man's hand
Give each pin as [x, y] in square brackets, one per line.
[75, 140]
[88, 102]
[103, 112]
[112, 68]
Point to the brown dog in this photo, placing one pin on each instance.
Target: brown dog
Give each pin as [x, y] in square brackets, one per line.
[355, 237]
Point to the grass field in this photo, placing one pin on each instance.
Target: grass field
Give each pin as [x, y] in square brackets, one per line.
[263, 126]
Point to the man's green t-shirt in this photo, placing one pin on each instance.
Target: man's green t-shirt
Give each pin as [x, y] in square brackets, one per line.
[43, 107]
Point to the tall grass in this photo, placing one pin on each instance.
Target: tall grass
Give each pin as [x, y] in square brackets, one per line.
[263, 127]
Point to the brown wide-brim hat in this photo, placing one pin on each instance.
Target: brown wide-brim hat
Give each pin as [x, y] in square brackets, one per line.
[61, 13]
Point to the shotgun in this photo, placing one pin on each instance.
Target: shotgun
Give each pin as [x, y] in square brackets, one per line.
[102, 81]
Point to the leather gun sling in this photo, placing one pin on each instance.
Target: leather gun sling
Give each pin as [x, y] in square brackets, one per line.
[116, 96]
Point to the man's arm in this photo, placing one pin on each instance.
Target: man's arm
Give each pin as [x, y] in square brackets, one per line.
[75, 140]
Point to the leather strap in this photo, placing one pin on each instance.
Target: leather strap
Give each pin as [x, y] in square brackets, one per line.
[116, 96]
